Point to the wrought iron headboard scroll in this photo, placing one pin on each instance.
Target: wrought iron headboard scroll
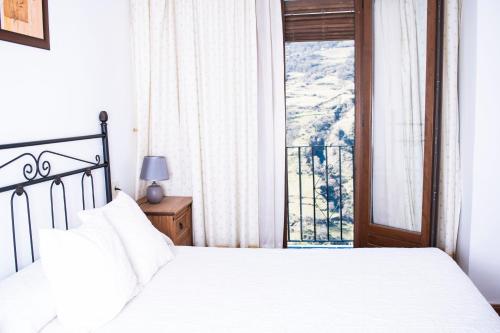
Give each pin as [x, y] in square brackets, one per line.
[38, 170]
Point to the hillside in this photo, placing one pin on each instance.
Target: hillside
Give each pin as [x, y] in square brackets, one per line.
[320, 112]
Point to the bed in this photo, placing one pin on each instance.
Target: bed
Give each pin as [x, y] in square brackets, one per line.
[279, 290]
[264, 290]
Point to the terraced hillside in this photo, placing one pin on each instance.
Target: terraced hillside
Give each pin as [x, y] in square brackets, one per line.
[320, 119]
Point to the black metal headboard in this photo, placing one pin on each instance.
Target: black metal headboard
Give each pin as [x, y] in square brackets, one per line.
[38, 170]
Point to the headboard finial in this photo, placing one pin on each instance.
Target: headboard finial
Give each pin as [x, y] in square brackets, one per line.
[103, 116]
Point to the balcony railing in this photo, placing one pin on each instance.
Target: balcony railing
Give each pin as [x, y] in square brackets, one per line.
[320, 195]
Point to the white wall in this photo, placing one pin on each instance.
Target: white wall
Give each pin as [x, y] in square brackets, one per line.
[479, 242]
[58, 93]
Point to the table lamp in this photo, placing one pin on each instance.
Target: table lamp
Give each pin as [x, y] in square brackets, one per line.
[154, 168]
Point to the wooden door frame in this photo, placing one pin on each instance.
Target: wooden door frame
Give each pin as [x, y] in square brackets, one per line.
[367, 233]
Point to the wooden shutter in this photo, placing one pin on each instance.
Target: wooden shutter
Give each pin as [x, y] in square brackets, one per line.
[317, 20]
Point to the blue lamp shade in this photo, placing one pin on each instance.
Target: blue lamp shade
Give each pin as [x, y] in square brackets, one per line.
[154, 168]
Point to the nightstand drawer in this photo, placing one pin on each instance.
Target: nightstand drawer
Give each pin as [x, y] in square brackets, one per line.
[186, 239]
[182, 225]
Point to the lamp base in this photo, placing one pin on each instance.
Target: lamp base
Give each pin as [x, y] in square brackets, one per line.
[154, 193]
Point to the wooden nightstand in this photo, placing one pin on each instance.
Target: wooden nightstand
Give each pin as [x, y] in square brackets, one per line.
[172, 216]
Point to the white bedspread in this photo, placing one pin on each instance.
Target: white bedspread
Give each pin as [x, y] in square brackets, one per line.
[259, 290]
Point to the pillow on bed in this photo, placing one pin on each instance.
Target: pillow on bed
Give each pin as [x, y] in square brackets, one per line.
[26, 303]
[89, 273]
[146, 247]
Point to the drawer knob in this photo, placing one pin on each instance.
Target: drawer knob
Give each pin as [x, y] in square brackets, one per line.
[181, 226]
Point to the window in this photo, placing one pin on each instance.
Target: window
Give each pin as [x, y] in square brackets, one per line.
[319, 57]
[397, 122]
[320, 194]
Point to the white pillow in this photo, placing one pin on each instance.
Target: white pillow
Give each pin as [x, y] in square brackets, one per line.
[146, 247]
[26, 303]
[89, 272]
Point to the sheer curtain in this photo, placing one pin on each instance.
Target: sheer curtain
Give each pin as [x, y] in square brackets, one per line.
[196, 93]
[271, 104]
[450, 191]
[399, 111]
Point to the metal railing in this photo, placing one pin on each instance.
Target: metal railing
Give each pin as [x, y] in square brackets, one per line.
[320, 198]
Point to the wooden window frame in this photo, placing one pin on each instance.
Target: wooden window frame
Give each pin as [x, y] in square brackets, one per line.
[366, 233]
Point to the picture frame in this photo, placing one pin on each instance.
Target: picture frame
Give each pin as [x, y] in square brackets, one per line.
[25, 22]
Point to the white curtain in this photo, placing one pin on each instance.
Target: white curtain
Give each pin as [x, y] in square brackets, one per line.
[450, 190]
[398, 112]
[272, 136]
[196, 86]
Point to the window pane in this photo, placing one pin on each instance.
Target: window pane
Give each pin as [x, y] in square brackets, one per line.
[398, 112]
